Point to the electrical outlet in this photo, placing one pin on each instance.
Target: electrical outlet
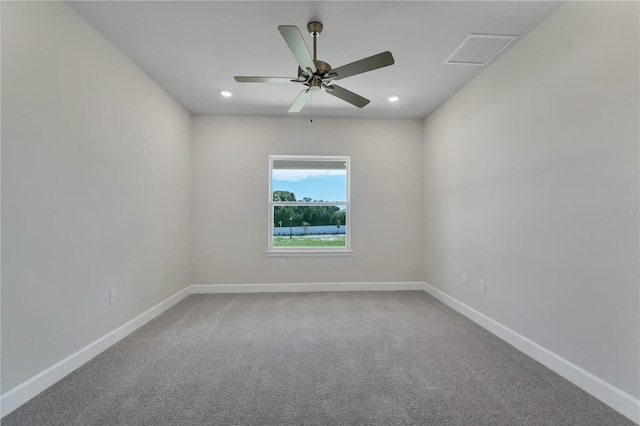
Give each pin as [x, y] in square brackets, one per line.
[464, 279]
[482, 284]
[113, 297]
[283, 264]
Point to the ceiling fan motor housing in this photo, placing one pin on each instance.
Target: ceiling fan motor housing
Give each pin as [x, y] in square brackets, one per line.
[322, 69]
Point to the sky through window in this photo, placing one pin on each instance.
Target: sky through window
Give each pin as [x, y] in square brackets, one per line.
[325, 185]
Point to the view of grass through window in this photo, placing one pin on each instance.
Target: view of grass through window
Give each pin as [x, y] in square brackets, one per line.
[309, 203]
[309, 242]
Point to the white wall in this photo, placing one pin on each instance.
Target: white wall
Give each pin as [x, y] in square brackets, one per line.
[520, 167]
[231, 192]
[95, 188]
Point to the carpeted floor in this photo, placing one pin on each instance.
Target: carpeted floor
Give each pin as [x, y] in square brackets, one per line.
[362, 358]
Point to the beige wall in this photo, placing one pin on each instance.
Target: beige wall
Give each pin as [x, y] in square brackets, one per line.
[95, 188]
[520, 168]
[230, 198]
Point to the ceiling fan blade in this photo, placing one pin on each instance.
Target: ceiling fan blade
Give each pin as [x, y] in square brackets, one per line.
[363, 65]
[346, 95]
[301, 100]
[293, 37]
[244, 79]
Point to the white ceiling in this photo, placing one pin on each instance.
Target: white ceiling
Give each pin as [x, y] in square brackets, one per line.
[193, 49]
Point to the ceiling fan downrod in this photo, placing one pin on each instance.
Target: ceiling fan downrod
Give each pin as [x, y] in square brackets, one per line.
[314, 28]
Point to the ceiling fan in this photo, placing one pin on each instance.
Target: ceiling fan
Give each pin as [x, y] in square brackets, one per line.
[316, 74]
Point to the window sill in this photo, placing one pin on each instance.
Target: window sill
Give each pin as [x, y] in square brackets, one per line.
[308, 252]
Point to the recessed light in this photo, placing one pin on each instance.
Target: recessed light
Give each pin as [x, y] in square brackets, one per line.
[393, 98]
[226, 93]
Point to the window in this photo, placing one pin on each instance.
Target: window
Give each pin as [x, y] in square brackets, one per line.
[308, 204]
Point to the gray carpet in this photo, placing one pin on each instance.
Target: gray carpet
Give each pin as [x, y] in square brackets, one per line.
[374, 358]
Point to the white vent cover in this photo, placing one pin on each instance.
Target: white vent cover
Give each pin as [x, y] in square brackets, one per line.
[478, 49]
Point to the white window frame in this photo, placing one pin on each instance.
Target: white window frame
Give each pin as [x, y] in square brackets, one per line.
[309, 251]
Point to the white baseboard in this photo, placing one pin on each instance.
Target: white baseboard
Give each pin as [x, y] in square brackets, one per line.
[607, 393]
[307, 287]
[22, 393]
[617, 399]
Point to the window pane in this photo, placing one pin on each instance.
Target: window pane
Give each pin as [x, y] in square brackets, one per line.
[297, 180]
[309, 226]
[307, 180]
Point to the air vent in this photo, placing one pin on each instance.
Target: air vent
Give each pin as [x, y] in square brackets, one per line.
[478, 49]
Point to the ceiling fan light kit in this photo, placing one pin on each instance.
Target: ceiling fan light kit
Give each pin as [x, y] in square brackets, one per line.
[316, 74]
